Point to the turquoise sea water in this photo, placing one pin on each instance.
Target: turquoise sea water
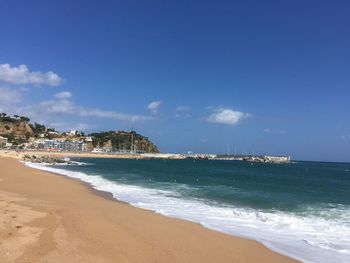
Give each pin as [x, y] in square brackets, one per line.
[301, 209]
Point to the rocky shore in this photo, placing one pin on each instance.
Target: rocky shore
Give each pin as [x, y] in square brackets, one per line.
[43, 159]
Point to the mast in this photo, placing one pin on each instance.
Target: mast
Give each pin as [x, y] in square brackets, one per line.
[132, 140]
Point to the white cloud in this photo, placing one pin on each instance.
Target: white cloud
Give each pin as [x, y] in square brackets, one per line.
[184, 115]
[183, 111]
[183, 108]
[227, 116]
[60, 106]
[154, 106]
[111, 114]
[64, 106]
[9, 99]
[267, 130]
[21, 76]
[63, 95]
[63, 126]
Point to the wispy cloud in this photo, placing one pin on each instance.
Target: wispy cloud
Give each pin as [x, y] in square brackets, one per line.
[63, 105]
[345, 137]
[64, 126]
[183, 108]
[269, 130]
[63, 95]
[227, 116]
[21, 75]
[111, 114]
[183, 111]
[154, 106]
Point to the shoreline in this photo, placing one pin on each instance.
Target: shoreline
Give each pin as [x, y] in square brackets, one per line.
[253, 250]
[55, 154]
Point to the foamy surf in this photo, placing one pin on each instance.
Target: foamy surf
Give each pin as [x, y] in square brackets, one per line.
[67, 162]
[307, 237]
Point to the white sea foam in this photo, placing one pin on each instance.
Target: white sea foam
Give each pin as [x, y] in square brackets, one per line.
[308, 237]
[67, 163]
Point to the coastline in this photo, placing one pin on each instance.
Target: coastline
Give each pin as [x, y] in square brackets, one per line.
[113, 230]
[55, 154]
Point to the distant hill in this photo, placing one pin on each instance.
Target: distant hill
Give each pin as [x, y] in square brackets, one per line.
[121, 140]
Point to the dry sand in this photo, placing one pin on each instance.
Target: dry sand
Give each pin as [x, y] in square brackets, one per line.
[50, 218]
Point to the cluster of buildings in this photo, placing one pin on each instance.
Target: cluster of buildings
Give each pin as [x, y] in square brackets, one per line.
[4, 143]
[58, 145]
[49, 144]
[65, 144]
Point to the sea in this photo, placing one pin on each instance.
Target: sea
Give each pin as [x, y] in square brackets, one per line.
[300, 209]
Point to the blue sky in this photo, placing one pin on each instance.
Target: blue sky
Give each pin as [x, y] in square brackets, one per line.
[269, 77]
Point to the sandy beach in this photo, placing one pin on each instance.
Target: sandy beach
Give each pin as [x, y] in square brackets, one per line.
[50, 218]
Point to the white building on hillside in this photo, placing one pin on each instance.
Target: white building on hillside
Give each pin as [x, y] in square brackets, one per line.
[88, 139]
[73, 132]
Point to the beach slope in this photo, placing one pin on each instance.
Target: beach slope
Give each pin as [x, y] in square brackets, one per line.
[50, 218]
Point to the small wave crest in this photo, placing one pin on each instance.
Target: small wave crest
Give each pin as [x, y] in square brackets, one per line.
[66, 163]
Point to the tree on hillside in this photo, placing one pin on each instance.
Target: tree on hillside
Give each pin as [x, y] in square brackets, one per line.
[23, 118]
[11, 137]
[27, 135]
[37, 129]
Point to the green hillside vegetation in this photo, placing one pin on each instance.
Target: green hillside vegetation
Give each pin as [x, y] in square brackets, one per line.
[121, 140]
[15, 119]
[16, 129]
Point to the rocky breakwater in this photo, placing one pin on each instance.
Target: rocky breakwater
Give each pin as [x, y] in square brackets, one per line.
[267, 159]
[43, 159]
